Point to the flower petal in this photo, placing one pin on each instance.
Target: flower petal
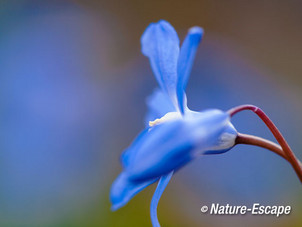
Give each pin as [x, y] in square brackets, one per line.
[158, 105]
[161, 44]
[172, 144]
[185, 62]
[129, 154]
[122, 190]
[162, 184]
[165, 148]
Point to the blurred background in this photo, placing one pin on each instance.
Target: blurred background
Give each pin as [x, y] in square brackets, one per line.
[73, 85]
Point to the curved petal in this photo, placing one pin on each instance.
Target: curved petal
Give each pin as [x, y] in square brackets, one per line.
[122, 190]
[129, 154]
[158, 105]
[160, 44]
[165, 148]
[172, 144]
[185, 62]
[225, 142]
[162, 184]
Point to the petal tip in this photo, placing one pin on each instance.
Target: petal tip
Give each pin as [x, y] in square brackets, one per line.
[162, 21]
[196, 30]
[115, 207]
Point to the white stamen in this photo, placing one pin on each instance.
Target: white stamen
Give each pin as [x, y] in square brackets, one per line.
[167, 117]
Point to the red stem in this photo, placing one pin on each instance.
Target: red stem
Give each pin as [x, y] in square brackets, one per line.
[277, 134]
[260, 142]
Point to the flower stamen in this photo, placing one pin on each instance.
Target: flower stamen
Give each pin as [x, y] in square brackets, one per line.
[167, 117]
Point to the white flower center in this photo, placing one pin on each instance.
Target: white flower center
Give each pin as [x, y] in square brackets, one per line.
[167, 117]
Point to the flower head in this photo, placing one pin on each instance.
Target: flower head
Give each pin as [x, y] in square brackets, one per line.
[174, 134]
[179, 135]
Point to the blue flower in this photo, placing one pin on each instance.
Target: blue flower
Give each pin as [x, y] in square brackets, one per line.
[175, 135]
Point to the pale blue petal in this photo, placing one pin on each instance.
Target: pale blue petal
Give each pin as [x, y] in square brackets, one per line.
[162, 184]
[122, 190]
[185, 62]
[158, 104]
[165, 148]
[128, 155]
[172, 144]
[161, 44]
[230, 130]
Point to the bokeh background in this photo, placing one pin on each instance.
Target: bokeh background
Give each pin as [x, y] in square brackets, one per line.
[73, 85]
